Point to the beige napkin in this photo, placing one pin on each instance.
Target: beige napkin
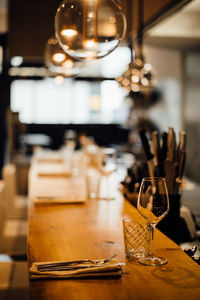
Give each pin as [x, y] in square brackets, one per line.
[53, 170]
[53, 174]
[49, 160]
[101, 271]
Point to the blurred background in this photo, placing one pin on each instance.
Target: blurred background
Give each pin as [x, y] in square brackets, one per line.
[41, 106]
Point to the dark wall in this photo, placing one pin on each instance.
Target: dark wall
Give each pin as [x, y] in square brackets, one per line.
[4, 101]
[104, 134]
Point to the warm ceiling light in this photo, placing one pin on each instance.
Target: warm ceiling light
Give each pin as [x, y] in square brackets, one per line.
[58, 57]
[138, 77]
[68, 33]
[90, 43]
[89, 29]
[58, 61]
[59, 79]
[68, 64]
[16, 61]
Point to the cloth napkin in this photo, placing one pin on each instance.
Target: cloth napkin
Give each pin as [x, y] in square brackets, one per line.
[54, 174]
[53, 170]
[50, 160]
[106, 270]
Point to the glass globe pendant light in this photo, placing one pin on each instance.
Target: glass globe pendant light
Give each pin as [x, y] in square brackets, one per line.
[57, 61]
[139, 75]
[89, 29]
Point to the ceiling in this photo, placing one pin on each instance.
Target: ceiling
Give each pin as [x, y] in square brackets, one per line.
[180, 30]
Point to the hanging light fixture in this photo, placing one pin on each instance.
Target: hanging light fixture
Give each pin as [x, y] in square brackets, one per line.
[89, 29]
[139, 75]
[58, 61]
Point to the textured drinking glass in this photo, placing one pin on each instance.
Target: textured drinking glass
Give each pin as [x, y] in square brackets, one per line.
[153, 205]
[136, 238]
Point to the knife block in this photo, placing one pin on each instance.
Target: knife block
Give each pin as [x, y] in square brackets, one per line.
[170, 225]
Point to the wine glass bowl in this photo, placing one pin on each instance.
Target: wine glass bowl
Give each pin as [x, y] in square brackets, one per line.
[153, 205]
[108, 161]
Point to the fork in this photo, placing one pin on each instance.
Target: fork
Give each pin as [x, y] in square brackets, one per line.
[69, 265]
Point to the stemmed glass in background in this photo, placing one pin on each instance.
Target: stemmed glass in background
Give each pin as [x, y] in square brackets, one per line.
[107, 167]
[153, 205]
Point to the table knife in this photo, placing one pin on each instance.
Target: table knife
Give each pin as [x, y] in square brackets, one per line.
[170, 165]
[182, 142]
[163, 153]
[156, 152]
[181, 165]
[149, 155]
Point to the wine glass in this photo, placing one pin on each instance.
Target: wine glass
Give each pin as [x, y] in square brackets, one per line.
[153, 205]
[107, 165]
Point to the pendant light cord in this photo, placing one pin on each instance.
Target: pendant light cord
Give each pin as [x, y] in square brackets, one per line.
[140, 25]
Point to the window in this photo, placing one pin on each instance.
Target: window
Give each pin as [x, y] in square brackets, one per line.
[45, 101]
[74, 101]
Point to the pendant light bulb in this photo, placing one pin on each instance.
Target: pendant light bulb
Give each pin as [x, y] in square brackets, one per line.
[138, 77]
[89, 29]
[58, 61]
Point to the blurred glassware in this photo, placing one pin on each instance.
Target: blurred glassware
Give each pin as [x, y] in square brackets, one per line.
[107, 165]
[68, 151]
[90, 29]
[93, 178]
[58, 61]
[70, 139]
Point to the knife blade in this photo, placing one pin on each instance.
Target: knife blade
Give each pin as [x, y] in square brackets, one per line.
[156, 147]
[171, 145]
[147, 151]
[181, 165]
[157, 152]
[182, 140]
[163, 153]
[180, 169]
[170, 165]
[182, 143]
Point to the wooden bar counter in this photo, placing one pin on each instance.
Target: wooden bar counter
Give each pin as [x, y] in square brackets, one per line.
[93, 229]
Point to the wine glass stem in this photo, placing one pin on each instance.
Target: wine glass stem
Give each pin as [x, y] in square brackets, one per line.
[152, 228]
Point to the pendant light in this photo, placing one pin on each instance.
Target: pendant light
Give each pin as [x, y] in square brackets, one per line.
[90, 29]
[57, 61]
[139, 75]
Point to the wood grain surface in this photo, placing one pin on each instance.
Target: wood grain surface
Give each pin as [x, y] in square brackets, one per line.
[94, 230]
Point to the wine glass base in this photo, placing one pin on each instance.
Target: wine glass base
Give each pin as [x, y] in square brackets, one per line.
[152, 261]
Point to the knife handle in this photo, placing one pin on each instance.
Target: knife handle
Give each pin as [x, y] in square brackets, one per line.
[164, 146]
[171, 144]
[156, 147]
[145, 144]
[182, 140]
[182, 160]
